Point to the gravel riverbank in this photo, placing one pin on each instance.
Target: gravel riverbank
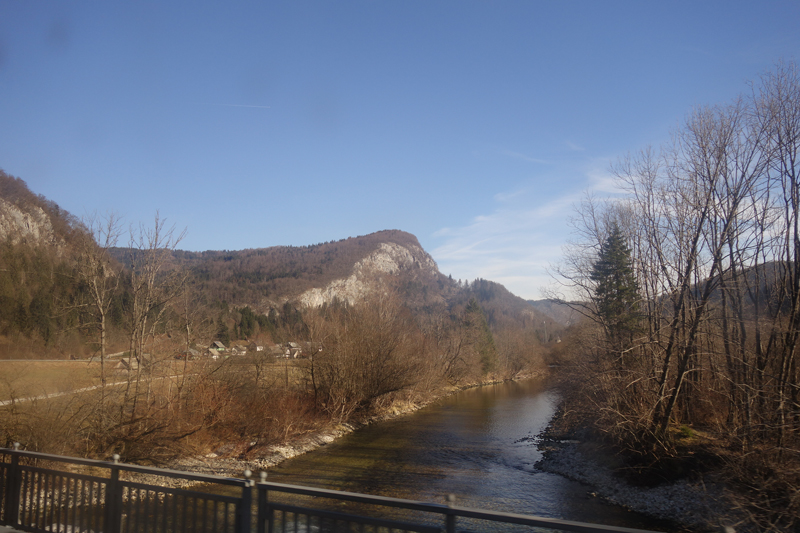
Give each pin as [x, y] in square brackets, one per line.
[695, 506]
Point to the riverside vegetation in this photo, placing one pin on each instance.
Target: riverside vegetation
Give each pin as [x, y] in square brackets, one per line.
[686, 365]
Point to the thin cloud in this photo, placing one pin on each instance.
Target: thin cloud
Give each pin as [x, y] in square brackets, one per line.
[516, 243]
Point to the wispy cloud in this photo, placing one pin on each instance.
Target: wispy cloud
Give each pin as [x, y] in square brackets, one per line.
[518, 241]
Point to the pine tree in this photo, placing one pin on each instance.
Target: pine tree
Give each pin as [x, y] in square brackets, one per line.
[481, 336]
[616, 293]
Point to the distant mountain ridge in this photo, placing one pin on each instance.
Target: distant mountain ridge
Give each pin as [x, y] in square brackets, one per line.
[312, 275]
[266, 280]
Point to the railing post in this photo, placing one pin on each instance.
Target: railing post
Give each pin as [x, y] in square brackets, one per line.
[245, 515]
[450, 520]
[13, 489]
[261, 525]
[113, 503]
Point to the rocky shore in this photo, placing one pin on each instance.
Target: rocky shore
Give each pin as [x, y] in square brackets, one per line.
[695, 506]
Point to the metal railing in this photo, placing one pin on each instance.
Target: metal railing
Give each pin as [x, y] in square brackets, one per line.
[387, 514]
[59, 498]
[54, 494]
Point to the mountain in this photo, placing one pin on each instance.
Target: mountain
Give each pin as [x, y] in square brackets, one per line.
[314, 275]
[43, 300]
[560, 313]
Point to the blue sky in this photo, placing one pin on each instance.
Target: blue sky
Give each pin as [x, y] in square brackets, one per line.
[476, 126]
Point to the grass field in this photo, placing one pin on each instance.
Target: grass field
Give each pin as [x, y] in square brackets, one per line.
[22, 379]
[25, 379]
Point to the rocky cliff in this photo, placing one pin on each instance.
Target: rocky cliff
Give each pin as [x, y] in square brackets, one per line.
[30, 224]
[390, 258]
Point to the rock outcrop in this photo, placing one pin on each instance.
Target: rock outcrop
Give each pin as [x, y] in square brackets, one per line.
[390, 258]
[31, 225]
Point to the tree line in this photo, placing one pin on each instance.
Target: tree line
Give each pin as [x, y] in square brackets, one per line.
[691, 282]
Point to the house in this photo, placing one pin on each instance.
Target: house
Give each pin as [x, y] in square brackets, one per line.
[253, 347]
[238, 350]
[218, 346]
[187, 354]
[292, 350]
[275, 350]
[126, 364]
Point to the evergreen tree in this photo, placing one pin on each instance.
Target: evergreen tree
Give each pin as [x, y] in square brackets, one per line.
[481, 336]
[616, 293]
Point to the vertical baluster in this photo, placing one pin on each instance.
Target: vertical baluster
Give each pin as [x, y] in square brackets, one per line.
[14, 493]
[91, 509]
[204, 521]
[133, 514]
[165, 511]
[175, 501]
[72, 490]
[45, 481]
[72, 483]
[146, 512]
[21, 514]
[51, 497]
[38, 482]
[80, 487]
[57, 500]
[28, 499]
[194, 514]
[214, 513]
[184, 513]
[128, 503]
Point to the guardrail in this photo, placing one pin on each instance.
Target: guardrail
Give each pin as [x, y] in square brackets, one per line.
[54, 494]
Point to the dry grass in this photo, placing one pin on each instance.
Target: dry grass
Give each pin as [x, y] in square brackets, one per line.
[23, 379]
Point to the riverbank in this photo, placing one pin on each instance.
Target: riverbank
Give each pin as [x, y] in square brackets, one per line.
[222, 462]
[697, 505]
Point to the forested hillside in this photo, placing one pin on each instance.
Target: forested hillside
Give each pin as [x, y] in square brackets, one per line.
[39, 293]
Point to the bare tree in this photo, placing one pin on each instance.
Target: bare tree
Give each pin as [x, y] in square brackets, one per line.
[153, 286]
[99, 272]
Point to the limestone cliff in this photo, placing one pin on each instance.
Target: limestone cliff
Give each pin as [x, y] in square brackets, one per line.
[30, 224]
[390, 258]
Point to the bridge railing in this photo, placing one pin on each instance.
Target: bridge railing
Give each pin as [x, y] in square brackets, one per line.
[54, 494]
[49, 493]
[313, 509]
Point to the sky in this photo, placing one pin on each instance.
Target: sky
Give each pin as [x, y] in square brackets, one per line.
[476, 126]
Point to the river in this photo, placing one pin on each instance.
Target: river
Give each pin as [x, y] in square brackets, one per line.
[479, 445]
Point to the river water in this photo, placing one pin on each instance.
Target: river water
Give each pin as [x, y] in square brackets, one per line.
[479, 445]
